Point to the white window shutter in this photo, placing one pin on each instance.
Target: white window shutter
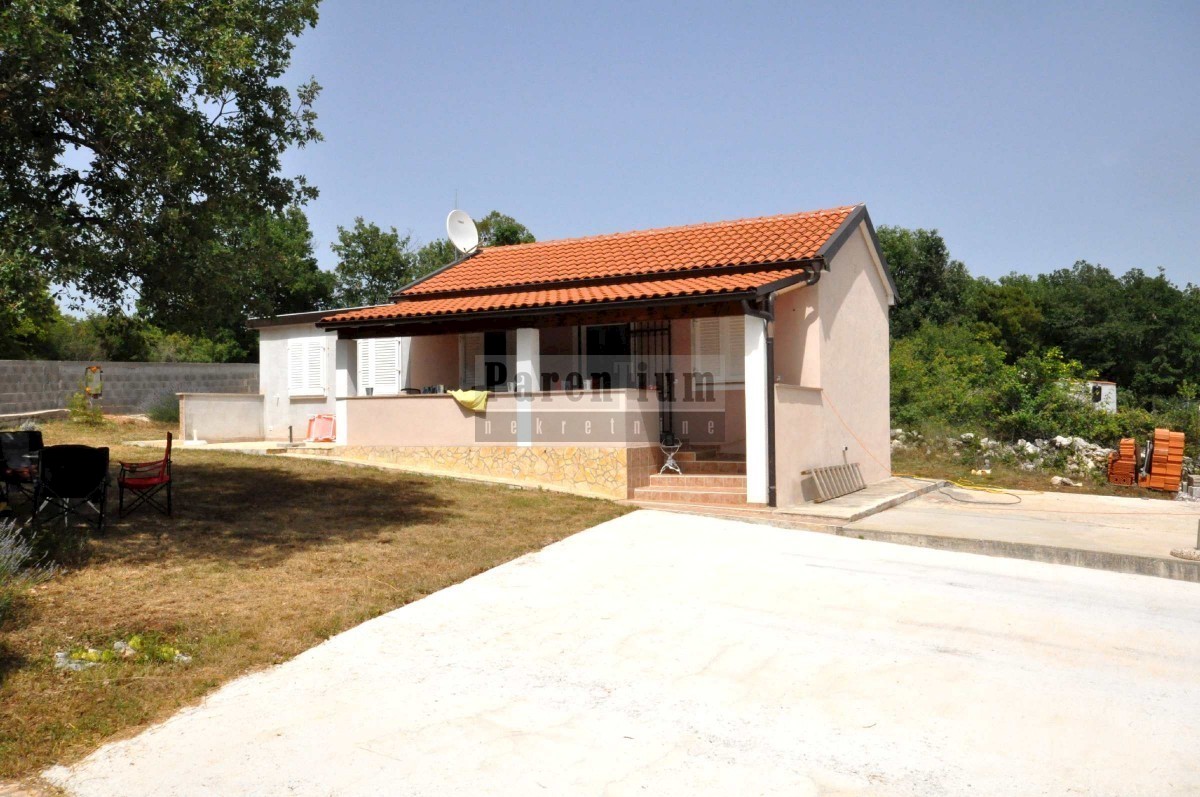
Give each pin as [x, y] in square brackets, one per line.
[364, 365]
[295, 367]
[706, 346]
[734, 349]
[315, 355]
[472, 351]
[385, 366]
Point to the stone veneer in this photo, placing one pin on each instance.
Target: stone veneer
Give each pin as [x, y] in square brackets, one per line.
[591, 471]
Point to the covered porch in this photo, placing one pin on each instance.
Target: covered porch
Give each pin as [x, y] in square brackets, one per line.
[577, 399]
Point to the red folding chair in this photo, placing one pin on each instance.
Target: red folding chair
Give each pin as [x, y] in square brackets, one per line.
[145, 480]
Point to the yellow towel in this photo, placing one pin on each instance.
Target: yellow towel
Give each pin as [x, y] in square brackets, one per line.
[474, 400]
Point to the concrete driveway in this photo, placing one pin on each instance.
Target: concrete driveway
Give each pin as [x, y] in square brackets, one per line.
[1131, 535]
[665, 654]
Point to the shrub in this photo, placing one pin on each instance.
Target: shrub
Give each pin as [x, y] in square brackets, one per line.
[83, 410]
[955, 379]
[165, 409]
[19, 568]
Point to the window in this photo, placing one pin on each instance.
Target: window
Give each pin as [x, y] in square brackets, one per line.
[379, 366]
[306, 367]
[470, 375]
[719, 347]
[487, 360]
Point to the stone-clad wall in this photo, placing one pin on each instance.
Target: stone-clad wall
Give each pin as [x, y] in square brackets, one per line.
[582, 470]
[37, 385]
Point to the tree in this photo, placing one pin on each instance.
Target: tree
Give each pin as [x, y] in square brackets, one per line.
[372, 264]
[27, 310]
[260, 269]
[135, 135]
[1007, 312]
[433, 255]
[497, 229]
[930, 286]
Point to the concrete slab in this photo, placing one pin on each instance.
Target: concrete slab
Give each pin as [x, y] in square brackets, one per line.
[866, 502]
[670, 654]
[241, 446]
[1131, 535]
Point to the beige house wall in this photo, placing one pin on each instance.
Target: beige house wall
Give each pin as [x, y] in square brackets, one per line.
[439, 420]
[433, 360]
[831, 363]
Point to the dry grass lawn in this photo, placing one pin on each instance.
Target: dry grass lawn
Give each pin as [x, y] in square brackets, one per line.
[264, 558]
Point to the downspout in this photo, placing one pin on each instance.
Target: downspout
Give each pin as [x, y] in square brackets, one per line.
[765, 309]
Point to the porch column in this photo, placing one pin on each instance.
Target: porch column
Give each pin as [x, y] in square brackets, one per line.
[345, 375]
[757, 487]
[529, 368]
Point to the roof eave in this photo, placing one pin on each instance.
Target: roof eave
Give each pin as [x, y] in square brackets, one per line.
[434, 273]
[843, 234]
[748, 293]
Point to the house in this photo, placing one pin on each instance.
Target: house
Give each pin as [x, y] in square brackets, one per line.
[760, 344]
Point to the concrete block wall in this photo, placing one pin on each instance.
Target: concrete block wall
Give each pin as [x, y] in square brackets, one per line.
[37, 385]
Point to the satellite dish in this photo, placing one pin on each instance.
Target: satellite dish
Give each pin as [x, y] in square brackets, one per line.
[462, 231]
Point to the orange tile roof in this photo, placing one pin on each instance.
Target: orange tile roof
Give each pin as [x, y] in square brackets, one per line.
[664, 263]
[675, 286]
[772, 239]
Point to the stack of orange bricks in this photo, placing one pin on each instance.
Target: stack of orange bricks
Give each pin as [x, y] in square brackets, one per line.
[1166, 462]
[1122, 464]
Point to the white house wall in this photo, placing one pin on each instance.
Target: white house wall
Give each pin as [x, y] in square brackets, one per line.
[279, 409]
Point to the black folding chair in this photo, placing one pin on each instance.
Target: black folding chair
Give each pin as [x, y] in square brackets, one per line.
[71, 480]
[18, 461]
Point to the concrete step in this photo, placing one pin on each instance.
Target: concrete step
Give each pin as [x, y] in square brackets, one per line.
[712, 467]
[706, 496]
[708, 456]
[702, 481]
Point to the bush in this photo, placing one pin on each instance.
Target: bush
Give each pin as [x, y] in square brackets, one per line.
[953, 379]
[19, 568]
[165, 409]
[83, 410]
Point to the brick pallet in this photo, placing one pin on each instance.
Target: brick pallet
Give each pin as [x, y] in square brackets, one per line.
[1166, 462]
[1123, 464]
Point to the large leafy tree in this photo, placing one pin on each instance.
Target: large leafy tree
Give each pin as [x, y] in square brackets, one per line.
[931, 286]
[27, 310]
[435, 254]
[271, 270]
[134, 136]
[372, 263]
[497, 229]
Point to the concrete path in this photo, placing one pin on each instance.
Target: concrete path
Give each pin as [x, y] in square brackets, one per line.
[871, 500]
[664, 654]
[1130, 535]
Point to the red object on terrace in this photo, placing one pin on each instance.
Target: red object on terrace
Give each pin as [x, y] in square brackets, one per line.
[321, 429]
[145, 480]
[670, 263]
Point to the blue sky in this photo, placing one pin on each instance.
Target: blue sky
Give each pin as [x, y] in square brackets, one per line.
[1030, 135]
